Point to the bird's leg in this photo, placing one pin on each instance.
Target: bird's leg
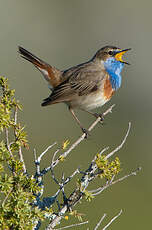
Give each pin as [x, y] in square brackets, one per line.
[79, 123]
[96, 115]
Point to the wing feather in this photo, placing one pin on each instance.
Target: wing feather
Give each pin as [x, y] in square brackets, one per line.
[81, 81]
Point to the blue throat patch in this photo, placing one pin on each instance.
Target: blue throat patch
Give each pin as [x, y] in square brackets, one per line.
[114, 68]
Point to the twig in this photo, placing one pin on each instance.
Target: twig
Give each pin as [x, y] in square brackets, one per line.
[20, 149]
[54, 155]
[35, 156]
[85, 180]
[37, 164]
[109, 110]
[99, 223]
[65, 154]
[122, 143]
[73, 225]
[7, 142]
[37, 161]
[93, 166]
[22, 159]
[103, 150]
[70, 177]
[7, 197]
[45, 151]
[134, 173]
[112, 220]
[66, 181]
[53, 177]
[64, 209]
[8, 148]
[97, 191]
[39, 174]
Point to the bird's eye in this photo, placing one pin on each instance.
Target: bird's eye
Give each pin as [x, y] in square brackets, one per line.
[110, 52]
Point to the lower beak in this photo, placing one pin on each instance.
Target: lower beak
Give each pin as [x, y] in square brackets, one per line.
[119, 54]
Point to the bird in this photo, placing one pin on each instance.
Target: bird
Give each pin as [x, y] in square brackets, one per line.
[85, 86]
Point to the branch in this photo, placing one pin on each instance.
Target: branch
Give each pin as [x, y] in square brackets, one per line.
[3, 203]
[112, 220]
[74, 145]
[97, 191]
[122, 143]
[99, 223]
[38, 160]
[73, 225]
[7, 142]
[39, 174]
[20, 149]
[45, 151]
[78, 193]
[64, 182]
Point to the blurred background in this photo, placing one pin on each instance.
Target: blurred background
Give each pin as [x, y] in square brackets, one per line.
[66, 33]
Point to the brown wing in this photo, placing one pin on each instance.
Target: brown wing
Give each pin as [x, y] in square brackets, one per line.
[81, 81]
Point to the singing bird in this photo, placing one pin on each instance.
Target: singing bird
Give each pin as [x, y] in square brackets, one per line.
[86, 86]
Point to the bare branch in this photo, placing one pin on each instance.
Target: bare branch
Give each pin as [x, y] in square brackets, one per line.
[101, 189]
[35, 157]
[54, 155]
[133, 173]
[7, 197]
[38, 160]
[7, 142]
[122, 143]
[45, 151]
[54, 178]
[112, 220]
[70, 177]
[15, 115]
[73, 225]
[103, 150]
[99, 223]
[109, 110]
[37, 164]
[88, 176]
[22, 159]
[20, 149]
[64, 182]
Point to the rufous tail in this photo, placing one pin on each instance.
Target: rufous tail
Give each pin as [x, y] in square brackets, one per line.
[51, 74]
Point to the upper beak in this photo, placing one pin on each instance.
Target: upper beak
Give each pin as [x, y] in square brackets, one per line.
[119, 54]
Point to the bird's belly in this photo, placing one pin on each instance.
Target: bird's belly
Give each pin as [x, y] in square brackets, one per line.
[89, 102]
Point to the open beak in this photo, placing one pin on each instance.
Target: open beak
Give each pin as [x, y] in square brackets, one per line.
[119, 54]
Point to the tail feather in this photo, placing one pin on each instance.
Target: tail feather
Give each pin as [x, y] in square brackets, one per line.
[51, 74]
[31, 57]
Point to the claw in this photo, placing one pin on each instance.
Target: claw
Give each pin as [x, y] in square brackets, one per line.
[86, 132]
[99, 115]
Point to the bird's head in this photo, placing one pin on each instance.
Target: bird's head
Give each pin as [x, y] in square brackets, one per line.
[111, 57]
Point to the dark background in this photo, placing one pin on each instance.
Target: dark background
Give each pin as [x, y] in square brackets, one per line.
[66, 33]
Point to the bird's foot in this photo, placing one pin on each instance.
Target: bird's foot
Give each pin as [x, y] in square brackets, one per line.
[99, 115]
[86, 132]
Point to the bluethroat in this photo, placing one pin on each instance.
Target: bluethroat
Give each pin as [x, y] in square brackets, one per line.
[86, 86]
